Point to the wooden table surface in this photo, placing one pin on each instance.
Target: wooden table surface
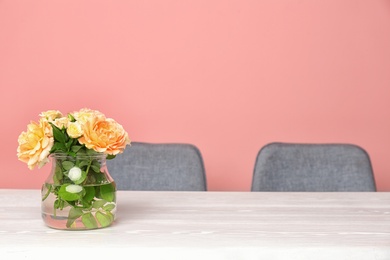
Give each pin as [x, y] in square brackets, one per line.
[208, 225]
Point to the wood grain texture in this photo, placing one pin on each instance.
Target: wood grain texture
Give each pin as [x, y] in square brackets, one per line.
[209, 225]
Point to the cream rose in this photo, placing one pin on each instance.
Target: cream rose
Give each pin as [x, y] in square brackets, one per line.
[35, 144]
[86, 114]
[104, 136]
[74, 129]
[61, 122]
[51, 115]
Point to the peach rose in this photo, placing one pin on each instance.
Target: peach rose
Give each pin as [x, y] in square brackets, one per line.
[35, 144]
[51, 115]
[74, 130]
[86, 114]
[104, 136]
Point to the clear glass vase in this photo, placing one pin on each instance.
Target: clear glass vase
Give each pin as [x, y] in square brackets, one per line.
[79, 193]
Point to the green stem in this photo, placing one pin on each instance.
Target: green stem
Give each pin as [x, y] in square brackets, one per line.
[48, 192]
[86, 171]
[89, 166]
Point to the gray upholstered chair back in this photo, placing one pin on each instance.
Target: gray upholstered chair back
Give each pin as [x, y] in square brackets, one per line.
[159, 167]
[312, 167]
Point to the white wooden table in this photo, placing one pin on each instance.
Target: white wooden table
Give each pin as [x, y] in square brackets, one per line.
[208, 225]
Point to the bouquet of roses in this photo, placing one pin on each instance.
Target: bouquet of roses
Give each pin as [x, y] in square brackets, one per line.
[78, 186]
[84, 129]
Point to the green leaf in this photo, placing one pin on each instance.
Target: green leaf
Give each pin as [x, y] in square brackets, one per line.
[83, 163]
[91, 152]
[81, 152]
[74, 213]
[110, 156]
[95, 168]
[111, 216]
[68, 144]
[109, 207]
[89, 221]
[98, 203]
[62, 147]
[89, 193]
[103, 219]
[58, 134]
[59, 204]
[68, 196]
[58, 147]
[67, 165]
[76, 148]
[98, 177]
[107, 192]
[72, 154]
[58, 175]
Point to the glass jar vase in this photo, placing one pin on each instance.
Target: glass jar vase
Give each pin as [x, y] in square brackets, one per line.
[79, 193]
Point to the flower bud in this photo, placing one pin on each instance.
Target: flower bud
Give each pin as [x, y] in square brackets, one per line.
[74, 173]
[73, 188]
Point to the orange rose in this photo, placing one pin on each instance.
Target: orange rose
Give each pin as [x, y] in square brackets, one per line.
[104, 136]
[35, 144]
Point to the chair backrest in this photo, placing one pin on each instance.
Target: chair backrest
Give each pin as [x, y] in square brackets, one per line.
[312, 167]
[159, 167]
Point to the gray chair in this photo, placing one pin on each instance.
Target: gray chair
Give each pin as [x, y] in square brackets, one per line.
[312, 167]
[159, 167]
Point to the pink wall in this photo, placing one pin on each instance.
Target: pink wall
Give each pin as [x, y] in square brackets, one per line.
[227, 76]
